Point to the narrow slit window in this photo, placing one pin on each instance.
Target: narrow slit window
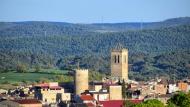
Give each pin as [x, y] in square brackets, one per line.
[118, 58]
[115, 59]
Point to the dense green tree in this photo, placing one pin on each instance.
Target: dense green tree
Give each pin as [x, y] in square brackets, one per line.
[95, 76]
[21, 68]
[180, 100]
[44, 80]
[37, 68]
[170, 104]
[128, 103]
[63, 78]
[150, 103]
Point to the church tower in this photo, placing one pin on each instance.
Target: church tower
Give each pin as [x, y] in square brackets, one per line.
[119, 63]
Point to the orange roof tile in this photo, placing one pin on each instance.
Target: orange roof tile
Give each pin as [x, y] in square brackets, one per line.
[55, 87]
[27, 101]
[118, 103]
[86, 97]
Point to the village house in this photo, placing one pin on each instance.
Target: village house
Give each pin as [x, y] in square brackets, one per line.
[172, 87]
[160, 89]
[183, 86]
[51, 93]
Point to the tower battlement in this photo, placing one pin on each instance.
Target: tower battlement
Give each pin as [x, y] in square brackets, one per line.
[81, 70]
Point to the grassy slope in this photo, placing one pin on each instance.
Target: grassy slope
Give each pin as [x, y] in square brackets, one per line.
[13, 77]
[18, 77]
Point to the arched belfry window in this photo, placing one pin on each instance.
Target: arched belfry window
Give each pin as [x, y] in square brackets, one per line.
[115, 58]
[118, 58]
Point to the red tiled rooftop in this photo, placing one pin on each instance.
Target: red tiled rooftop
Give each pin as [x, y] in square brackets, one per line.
[43, 85]
[28, 101]
[86, 97]
[118, 103]
[55, 87]
[112, 103]
[46, 85]
[90, 105]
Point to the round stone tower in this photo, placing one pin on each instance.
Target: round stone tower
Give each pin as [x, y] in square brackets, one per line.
[81, 81]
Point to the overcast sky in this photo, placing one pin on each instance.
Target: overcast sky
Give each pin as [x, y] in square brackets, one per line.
[93, 11]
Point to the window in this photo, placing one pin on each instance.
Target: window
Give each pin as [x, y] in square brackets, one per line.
[115, 59]
[118, 59]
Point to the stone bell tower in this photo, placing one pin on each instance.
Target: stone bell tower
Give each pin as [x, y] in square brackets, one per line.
[119, 63]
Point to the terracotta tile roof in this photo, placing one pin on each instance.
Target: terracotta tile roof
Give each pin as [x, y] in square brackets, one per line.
[55, 87]
[46, 85]
[90, 105]
[43, 85]
[86, 97]
[27, 101]
[118, 103]
[112, 103]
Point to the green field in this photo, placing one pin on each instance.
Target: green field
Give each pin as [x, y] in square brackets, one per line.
[12, 77]
[31, 76]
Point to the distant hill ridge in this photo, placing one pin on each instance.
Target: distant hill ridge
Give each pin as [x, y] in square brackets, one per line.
[30, 28]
